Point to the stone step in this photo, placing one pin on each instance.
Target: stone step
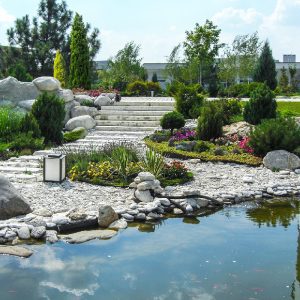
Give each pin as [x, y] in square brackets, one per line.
[113, 134]
[23, 177]
[145, 103]
[17, 163]
[137, 108]
[132, 113]
[126, 128]
[128, 123]
[9, 169]
[127, 118]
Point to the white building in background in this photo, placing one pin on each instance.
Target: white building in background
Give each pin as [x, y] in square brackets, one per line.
[159, 70]
[289, 60]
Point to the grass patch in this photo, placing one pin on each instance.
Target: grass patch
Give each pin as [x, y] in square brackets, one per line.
[165, 150]
[289, 106]
[170, 182]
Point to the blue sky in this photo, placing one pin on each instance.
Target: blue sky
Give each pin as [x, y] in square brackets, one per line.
[159, 25]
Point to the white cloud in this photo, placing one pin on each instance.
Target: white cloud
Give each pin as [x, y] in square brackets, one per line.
[5, 17]
[247, 16]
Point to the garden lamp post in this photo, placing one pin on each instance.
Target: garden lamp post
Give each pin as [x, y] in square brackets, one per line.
[54, 169]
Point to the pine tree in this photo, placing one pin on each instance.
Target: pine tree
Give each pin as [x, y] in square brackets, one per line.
[283, 80]
[60, 72]
[80, 62]
[154, 77]
[265, 70]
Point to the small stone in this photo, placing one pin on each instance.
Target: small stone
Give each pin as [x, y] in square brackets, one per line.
[77, 215]
[284, 172]
[128, 217]
[38, 232]
[43, 212]
[133, 185]
[60, 219]
[51, 236]
[177, 211]
[144, 196]
[270, 191]
[146, 185]
[155, 216]
[107, 215]
[24, 233]
[165, 201]
[140, 217]
[146, 176]
[189, 208]
[133, 206]
[3, 232]
[248, 179]
[297, 171]
[119, 224]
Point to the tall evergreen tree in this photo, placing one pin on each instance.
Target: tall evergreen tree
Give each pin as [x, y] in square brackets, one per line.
[265, 70]
[80, 56]
[284, 79]
[154, 77]
[60, 71]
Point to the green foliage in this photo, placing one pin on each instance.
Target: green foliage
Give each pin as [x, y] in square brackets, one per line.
[153, 86]
[210, 122]
[294, 107]
[275, 134]
[18, 71]
[230, 108]
[30, 124]
[60, 71]
[153, 163]
[172, 120]
[26, 140]
[49, 111]
[164, 149]
[283, 80]
[88, 103]
[154, 77]
[80, 56]
[138, 88]
[241, 90]
[202, 146]
[9, 123]
[265, 70]
[74, 135]
[262, 105]
[160, 136]
[188, 100]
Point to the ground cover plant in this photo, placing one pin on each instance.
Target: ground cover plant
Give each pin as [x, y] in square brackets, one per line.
[118, 165]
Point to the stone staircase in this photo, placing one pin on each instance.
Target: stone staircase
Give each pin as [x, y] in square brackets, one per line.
[128, 121]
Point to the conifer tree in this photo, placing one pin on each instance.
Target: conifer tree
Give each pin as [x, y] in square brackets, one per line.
[60, 72]
[154, 77]
[284, 79]
[80, 57]
[265, 70]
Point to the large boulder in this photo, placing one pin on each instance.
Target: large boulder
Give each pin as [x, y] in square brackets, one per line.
[107, 215]
[46, 84]
[83, 111]
[82, 121]
[103, 101]
[281, 160]
[26, 104]
[68, 107]
[67, 95]
[12, 204]
[15, 91]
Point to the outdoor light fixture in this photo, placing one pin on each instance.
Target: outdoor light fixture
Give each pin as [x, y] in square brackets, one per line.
[54, 168]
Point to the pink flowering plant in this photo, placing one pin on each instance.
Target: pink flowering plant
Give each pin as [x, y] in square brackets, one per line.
[184, 135]
[244, 144]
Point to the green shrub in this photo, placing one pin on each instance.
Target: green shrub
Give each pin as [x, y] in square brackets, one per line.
[275, 134]
[262, 105]
[153, 163]
[230, 109]
[74, 135]
[210, 122]
[30, 124]
[153, 86]
[87, 103]
[189, 101]
[201, 146]
[138, 88]
[49, 111]
[9, 123]
[160, 136]
[172, 120]
[241, 90]
[26, 141]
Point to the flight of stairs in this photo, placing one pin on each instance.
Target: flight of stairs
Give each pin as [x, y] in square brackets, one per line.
[128, 121]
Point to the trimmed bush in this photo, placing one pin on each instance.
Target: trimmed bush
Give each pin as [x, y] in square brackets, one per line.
[230, 109]
[30, 124]
[262, 105]
[275, 134]
[210, 122]
[172, 120]
[49, 111]
[138, 88]
[188, 100]
[74, 135]
[153, 86]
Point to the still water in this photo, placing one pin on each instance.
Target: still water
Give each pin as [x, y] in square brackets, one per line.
[246, 252]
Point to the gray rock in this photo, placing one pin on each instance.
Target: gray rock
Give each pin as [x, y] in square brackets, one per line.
[12, 204]
[297, 171]
[165, 201]
[177, 211]
[107, 215]
[82, 121]
[43, 212]
[51, 236]
[128, 217]
[24, 233]
[133, 185]
[60, 219]
[144, 196]
[112, 96]
[119, 224]
[281, 159]
[202, 202]
[26, 104]
[13, 90]
[83, 111]
[84, 236]
[46, 84]
[103, 101]
[16, 251]
[248, 179]
[10, 234]
[77, 215]
[3, 232]
[154, 216]
[146, 185]
[140, 217]
[67, 95]
[68, 107]
[82, 98]
[38, 232]
[146, 176]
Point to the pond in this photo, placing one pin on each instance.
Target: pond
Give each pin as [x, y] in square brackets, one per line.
[242, 252]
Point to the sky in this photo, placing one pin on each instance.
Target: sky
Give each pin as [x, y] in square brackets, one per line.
[159, 25]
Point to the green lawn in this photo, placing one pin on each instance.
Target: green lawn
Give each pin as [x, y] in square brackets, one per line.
[291, 106]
